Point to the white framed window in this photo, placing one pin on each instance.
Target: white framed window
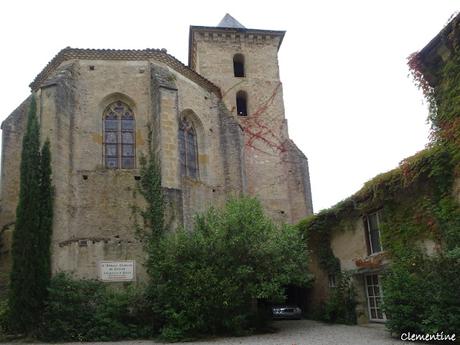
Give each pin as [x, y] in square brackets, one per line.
[372, 225]
[374, 296]
[332, 281]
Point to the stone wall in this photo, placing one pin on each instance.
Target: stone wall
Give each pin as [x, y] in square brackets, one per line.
[271, 161]
[348, 244]
[219, 141]
[298, 181]
[12, 132]
[93, 217]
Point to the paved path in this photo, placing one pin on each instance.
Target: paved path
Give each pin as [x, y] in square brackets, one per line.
[306, 332]
[302, 332]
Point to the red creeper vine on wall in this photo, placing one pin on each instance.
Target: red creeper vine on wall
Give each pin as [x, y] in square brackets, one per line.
[257, 130]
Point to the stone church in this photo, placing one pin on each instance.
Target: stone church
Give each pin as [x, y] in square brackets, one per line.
[218, 126]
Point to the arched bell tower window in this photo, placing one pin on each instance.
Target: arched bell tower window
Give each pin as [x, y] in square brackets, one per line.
[238, 65]
[188, 152]
[119, 136]
[242, 103]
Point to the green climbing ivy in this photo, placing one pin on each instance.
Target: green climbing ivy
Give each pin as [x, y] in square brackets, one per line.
[417, 202]
[149, 186]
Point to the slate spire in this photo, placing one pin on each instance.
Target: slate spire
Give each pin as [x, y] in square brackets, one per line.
[229, 22]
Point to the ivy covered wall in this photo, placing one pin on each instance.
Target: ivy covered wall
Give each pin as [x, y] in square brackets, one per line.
[418, 202]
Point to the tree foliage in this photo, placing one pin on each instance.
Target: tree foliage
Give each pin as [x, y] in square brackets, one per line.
[421, 294]
[208, 281]
[87, 310]
[46, 222]
[25, 299]
[340, 307]
[31, 269]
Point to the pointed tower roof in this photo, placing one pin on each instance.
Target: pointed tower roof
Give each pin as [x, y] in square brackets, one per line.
[229, 22]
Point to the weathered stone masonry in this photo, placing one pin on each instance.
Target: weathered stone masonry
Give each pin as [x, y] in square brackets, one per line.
[93, 204]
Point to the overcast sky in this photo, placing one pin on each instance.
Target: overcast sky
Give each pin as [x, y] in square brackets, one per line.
[350, 105]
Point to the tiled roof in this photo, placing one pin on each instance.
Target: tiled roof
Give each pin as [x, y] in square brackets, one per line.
[438, 39]
[432, 56]
[122, 54]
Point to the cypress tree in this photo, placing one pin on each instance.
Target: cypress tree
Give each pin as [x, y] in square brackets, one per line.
[31, 239]
[46, 222]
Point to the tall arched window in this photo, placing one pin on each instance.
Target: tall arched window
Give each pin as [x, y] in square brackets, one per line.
[119, 136]
[188, 153]
[242, 103]
[238, 65]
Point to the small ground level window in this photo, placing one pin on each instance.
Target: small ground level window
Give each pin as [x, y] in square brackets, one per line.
[332, 281]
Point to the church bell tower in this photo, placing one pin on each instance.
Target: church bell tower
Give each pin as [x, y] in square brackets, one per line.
[237, 59]
[244, 64]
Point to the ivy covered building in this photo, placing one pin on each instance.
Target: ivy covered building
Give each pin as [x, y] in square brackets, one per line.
[400, 217]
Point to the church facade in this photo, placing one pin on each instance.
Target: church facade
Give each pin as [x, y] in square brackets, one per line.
[217, 125]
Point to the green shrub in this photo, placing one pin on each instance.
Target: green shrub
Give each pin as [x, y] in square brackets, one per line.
[86, 310]
[421, 295]
[3, 317]
[340, 307]
[208, 281]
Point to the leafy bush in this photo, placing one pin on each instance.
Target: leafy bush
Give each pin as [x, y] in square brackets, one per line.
[3, 317]
[421, 294]
[208, 281]
[86, 310]
[340, 307]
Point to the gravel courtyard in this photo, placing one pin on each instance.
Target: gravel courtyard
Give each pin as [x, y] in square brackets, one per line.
[303, 332]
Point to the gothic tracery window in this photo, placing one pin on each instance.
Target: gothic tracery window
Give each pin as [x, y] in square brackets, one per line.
[188, 152]
[119, 136]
